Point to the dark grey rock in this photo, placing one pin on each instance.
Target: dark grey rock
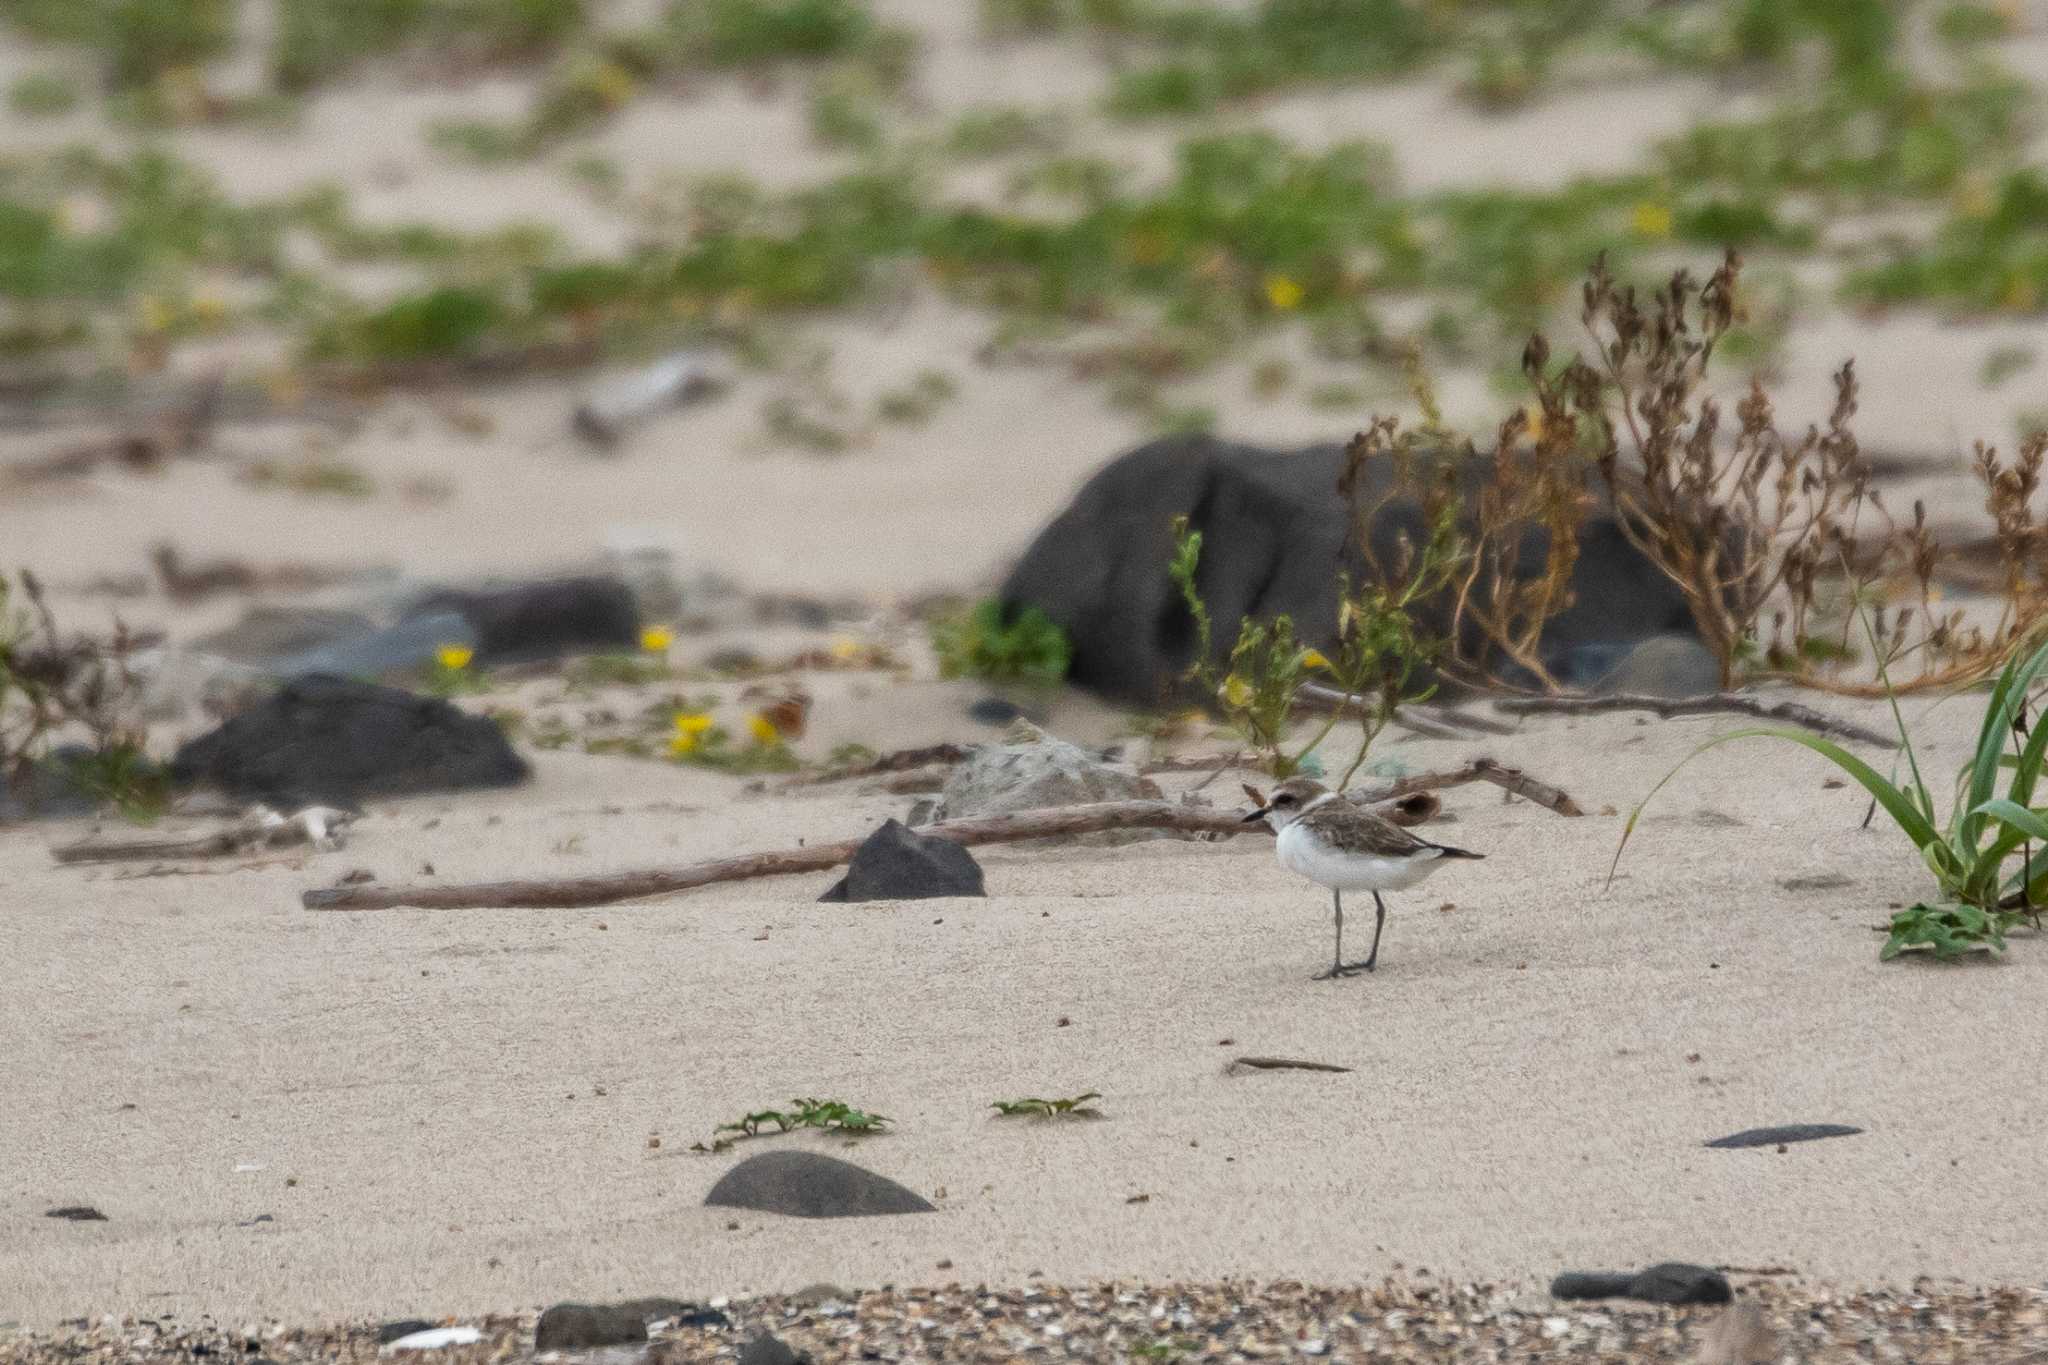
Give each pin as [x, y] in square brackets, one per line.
[1790, 1132]
[335, 740]
[581, 1326]
[811, 1185]
[896, 863]
[769, 1350]
[389, 1332]
[542, 620]
[1664, 666]
[77, 1213]
[1591, 1284]
[1667, 1282]
[995, 711]
[1274, 539]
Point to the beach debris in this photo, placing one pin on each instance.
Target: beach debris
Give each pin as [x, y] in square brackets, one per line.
[768, 1349]
[1666, 1282]
[436, 1338]
[1783, 1134]
[812, 1185]
[1032, 770]
[389, 1332]
[1740, 1336]
[260, 827]
[1279, 1064]
[185, 582]
[144, 441]
[544, 619]
[332, 740]
[76, 1213]
[898, 864]
[1409, 807]
[268, 633]
[612, 408]
[1736, 703]
[902, 760]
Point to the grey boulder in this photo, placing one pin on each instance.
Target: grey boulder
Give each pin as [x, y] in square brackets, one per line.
[899, 864]
[811, 1185]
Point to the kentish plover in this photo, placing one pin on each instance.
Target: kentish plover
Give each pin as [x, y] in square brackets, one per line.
[1344, 846]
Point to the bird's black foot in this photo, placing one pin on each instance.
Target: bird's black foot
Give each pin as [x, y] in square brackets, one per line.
[1343, 969]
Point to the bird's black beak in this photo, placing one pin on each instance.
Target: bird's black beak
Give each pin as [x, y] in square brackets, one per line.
[1257, 815]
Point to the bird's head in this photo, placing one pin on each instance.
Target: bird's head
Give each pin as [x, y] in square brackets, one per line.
[1287, 802]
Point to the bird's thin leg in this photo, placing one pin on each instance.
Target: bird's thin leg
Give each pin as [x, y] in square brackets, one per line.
[1379, 922]
[1337, 897]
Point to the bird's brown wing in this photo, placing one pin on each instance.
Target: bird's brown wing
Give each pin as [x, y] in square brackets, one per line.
[1357, 830]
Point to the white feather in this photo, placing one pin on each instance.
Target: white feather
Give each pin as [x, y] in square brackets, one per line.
[1300, 851]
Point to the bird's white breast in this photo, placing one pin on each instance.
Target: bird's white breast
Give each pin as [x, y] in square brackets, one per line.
[1300, 851]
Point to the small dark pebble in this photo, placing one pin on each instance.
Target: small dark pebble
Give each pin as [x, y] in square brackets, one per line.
[1669, 1282]
[402, 1327]
[1790, 1132]
[78, 1213]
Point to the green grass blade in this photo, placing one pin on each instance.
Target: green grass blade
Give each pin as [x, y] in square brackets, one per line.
[1917, 824]
[2007, 695]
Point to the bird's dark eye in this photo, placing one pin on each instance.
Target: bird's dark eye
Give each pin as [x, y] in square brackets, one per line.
[1283, 800]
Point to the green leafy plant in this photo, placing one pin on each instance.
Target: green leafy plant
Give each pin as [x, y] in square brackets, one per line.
[1077, 1107]
[50, 686]
[1979, 901]
[832, 1115]
[1023, 647]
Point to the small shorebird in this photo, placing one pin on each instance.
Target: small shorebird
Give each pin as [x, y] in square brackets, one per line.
[1342, 845]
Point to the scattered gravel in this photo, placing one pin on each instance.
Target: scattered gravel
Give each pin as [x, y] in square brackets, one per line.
[1410, 1320]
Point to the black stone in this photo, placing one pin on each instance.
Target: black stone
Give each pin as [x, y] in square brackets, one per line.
[769, 1350]
[1667, 1282]
[581, 1326]
[336, 740]
[542, 620]
[1790, 1132]
[811, 1185]
[403, 1327]
[1274, 540]
[77, 1213]
[994, 711]
[896, 863]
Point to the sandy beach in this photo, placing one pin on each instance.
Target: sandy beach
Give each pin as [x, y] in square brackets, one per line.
[449, 1111]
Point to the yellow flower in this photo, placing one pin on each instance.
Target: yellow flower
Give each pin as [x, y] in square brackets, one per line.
[1313, 658]
[1651, 219]
[845, 648]
[682, 744]
[1235, 691]
[1534, 424]
[762, 729]
[657, 639]
[692, 723]
[454, 658]
[1284, 294]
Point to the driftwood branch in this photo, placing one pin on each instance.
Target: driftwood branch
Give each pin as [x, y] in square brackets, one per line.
[1481, 770]
[1405, 802]
[264, 828]
[1282, 1064]
[901, 760]
[1729, 702]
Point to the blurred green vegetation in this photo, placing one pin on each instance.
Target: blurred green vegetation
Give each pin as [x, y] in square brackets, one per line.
[1242, 233]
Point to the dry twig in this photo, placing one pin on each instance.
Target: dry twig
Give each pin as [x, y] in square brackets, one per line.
[261, 828]
[1282, 1064]
[1789, 711]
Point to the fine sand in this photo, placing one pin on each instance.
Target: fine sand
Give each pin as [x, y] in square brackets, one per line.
[449, 1112]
